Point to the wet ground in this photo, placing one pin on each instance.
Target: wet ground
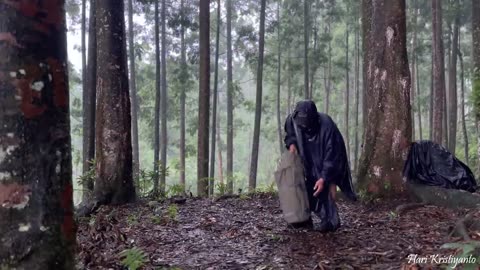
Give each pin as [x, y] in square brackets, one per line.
[249, 233]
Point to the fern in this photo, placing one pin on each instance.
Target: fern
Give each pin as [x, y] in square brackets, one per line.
[133, 258]
[468, 249]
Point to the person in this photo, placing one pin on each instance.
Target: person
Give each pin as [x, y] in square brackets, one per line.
[316, 138]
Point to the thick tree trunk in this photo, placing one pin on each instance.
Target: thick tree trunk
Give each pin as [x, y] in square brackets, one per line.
[84, 88]
[204, 99]
[156, 143]
[306, 28]
[252, 183]
[413, 66]
[347, 92]
[388, 128]
[438, 73]
[462, 89]
[279, 82]
[367, 12]
[476, 67]
[133, 95]
[357, 92]
[183, 94]
[452, 89]
[90, 103]
[113, 183]
[37, 228]
[164, 103]
[211, 185]
[229, 99]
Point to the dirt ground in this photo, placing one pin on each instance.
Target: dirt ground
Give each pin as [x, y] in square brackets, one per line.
[249, 233]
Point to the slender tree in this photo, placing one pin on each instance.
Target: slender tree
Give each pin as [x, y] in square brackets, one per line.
[413, 65]
[163, 101]
[114, 184]
[419, 108]
[357, 88]
[476, 64]
[215, 97]
[229, 99]
[258, 104]
[156, 146]
[306, 29]
[84, 88]
[279, 82]
[462, 100]
[388, 129]
[204, 99]
[452, 85]
[133, 94]
[347, 89]
[182, 97]
[37, 228]
[438, 72]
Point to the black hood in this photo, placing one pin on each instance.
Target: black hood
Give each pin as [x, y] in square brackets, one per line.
[305, 116]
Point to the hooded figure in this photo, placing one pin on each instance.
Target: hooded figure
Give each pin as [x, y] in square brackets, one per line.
[320, 144]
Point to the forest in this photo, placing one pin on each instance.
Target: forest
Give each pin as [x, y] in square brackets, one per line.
[145, 134]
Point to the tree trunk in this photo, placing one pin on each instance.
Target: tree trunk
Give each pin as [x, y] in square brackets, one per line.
[114, 183]
[289, 83]
[306, 27]
[84, 90]
[328, 84]
[229, 99]
[438, 72]
[183, 94]
[220, 158]
[413, 67]
[156, 143]
[164, 104]
[204, 99]
[476, 67]
[347, 92]
[215, 97]
[37, 227]
[431, 98]
[452, 89]
[313, 70]
[279, 82]
[462, 89]
[133, 95]
[357, 91]
[252, 183]
[90, 102]
[419, 109]
[389, 127]
[367, 13]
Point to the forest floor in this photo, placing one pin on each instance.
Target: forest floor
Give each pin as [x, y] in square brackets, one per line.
[249, 233]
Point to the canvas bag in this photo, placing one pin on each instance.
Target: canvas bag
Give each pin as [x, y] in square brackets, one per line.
[292, 192]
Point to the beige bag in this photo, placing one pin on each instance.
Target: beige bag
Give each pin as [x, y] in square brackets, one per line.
[292, 191]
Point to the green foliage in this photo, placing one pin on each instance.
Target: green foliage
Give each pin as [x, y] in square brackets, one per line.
[476, 94]
[133, 258]
[132, 219]
[392, 214]
[176, 190]
[172, 212]
[89, 175]
[468, 250]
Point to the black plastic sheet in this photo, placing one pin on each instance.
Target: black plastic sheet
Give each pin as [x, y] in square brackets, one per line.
[429, 163]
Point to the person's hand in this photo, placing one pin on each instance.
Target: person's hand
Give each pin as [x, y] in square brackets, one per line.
[292, 149]
[318, 187]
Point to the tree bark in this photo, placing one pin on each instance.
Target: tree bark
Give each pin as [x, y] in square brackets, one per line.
[347, 92]
[37, 227]
[114, 184]
[438, 72]
[183, 94]
[90, 102]
[328, 83]
[357, 90]
[476, 67]
[215, 97]
[84, 90]
[164, 104]
[413, 66]
[229, 99]
[258, 104]
[452, 89]
[220, 158]
[133, 95]
[279, 82]
[204, 99]
[388, 128]
[431, 99]
[419, 108]
[156, 143]
[462, 89]
[367, 13]
[306, 25]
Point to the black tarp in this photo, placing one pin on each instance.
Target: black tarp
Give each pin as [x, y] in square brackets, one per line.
[429, 163]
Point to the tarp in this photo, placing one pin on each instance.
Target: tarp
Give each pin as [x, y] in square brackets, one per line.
[429, 163]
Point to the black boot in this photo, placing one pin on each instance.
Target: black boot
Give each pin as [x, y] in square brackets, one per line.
[328, 213]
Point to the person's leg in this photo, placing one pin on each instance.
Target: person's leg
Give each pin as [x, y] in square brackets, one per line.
[333, 191]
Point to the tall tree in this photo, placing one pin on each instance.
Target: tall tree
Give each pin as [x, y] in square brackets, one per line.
[419, 108]
[215, 97]
[89, 103]
[37, 227]
[183, 95]
[229, 99]
[438, 72]
[462, 108]
[113, 183]
[163, 100]
[413, 66]
[366, 32]
[258, 103]
[204, 99]
[306, 29]
[357, 88]
[328, 71]
[84, 85]
[156, 143]
[347, 89]
[452, 84]
[388, 129]
[279, 82]
[133, 93]
[476, 63]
